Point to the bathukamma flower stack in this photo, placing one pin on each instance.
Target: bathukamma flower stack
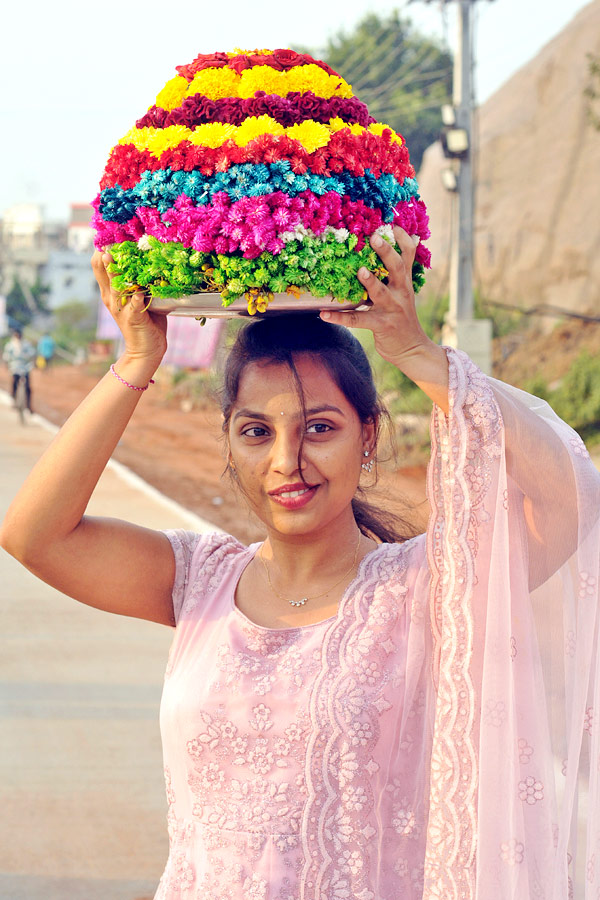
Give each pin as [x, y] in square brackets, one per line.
[255, 173]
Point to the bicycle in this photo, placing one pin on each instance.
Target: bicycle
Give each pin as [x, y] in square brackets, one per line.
[21, 399]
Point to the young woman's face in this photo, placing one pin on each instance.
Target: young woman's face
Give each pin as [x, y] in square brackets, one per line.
[265, 431]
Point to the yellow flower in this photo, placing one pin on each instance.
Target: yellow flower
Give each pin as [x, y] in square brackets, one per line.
[311, 134]
[138, 137]
[215, 83]
[261, 78]
[338, 124]
[213, 134]
[253, 126]
[173, 93]
[162, 139]
[240, 52]
[379, 127]
[314, 78]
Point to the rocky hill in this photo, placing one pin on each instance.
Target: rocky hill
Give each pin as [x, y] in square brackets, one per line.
[537, 164]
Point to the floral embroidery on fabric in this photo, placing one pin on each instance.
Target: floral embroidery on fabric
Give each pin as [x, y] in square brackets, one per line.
[525, 751]
[531, 790]
[512, 852]
[463, 447]
[346, 706]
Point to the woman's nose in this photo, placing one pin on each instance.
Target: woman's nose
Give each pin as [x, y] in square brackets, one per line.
[284, 457]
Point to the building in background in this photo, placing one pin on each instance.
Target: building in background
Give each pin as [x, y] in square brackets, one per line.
[33, 251]
[68, 272]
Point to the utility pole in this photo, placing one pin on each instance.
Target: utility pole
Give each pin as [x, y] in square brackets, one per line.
[461, 329]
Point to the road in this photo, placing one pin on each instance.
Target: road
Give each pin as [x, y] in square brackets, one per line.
[83, 806]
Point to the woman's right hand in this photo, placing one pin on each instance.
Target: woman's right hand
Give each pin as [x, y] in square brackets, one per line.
[144, 332]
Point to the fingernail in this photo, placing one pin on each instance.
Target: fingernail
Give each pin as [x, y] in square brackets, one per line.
[325, 315]
[416, 239]
[363, 272]
[376, 240]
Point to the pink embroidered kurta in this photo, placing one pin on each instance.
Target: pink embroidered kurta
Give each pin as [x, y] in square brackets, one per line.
[425, 741]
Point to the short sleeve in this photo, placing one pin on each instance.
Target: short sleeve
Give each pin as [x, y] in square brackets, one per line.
[197, 560]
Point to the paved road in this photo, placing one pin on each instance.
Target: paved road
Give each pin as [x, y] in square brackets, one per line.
[82, 797]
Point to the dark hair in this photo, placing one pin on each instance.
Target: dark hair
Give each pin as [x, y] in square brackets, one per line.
[278, 339]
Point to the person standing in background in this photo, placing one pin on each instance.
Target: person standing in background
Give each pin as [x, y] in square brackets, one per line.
[19, 356]
[45, 350]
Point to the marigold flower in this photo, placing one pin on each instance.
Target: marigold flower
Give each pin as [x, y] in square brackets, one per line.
[215, 83]
[173, 93]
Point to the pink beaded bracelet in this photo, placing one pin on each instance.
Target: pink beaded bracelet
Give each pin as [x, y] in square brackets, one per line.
[126, 383]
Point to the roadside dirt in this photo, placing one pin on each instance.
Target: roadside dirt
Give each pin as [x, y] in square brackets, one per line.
[181, 453]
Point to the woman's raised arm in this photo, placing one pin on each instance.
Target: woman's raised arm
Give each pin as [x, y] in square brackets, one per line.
[105, 563]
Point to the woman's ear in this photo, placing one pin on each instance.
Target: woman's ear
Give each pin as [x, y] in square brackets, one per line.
[369, 435]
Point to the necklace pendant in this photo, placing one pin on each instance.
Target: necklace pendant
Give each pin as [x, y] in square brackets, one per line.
[298, 602]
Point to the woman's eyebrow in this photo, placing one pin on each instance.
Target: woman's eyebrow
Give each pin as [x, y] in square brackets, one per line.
[312, 411]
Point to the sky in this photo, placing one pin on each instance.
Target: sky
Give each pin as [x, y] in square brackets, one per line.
[75, 75]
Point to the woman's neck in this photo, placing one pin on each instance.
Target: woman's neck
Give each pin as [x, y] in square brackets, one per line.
[314, 558]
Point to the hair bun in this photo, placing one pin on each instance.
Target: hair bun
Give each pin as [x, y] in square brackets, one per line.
[257, 173]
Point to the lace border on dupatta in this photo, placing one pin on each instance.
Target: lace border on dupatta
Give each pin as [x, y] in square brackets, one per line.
[459, 475]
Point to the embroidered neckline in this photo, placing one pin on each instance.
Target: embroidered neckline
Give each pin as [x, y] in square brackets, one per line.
[251, 551]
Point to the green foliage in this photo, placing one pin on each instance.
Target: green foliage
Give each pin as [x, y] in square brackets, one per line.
[23, 301]
[577, 397]
[74, 325]
[400, 393]
[537, 386]
[404, 77]
[592, 90]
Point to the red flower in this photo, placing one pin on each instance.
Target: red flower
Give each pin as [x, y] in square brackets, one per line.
[203, 61]
[298, 165]
[239, 63]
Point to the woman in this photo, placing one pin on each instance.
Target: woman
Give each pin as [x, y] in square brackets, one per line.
[345, 718]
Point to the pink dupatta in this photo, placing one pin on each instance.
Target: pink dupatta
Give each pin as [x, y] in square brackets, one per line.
[513, 548]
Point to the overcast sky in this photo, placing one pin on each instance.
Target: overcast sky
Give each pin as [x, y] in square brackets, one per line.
[74, 75]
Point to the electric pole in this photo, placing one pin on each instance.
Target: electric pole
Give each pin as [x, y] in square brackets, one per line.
[461, 329]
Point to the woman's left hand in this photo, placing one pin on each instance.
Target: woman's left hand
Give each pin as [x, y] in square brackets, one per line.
[393, 317]
[399, 337]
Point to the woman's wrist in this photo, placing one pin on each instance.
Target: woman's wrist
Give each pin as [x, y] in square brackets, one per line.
[427, 365]
[135, 371]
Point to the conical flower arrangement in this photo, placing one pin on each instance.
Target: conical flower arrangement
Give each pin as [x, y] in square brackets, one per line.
[256, 173]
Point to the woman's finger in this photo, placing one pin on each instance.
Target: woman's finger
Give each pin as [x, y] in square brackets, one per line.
[379, 293]
[364, 318]
[100, 274]
[398, 262]
[408, 244]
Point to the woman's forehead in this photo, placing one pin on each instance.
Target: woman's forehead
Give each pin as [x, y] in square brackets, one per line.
[266, 382]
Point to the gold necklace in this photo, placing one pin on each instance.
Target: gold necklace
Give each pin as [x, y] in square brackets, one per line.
[316, 597]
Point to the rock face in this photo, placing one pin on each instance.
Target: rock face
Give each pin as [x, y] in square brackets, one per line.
[537, 171]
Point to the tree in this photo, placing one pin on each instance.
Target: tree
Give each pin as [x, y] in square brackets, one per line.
[24, 301]
[403, 76]
[74, 324]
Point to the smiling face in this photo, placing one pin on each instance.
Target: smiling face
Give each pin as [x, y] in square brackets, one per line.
[265, 433]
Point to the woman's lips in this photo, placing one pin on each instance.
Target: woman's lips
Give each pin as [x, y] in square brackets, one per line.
[295, 498]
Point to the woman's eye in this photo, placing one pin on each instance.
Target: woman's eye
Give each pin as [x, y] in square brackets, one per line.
[255, 431]
[318, 428]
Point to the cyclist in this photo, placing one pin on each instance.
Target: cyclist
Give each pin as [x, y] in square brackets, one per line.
[19, 355]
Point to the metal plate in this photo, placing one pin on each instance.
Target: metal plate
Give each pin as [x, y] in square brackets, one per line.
[210, 306]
